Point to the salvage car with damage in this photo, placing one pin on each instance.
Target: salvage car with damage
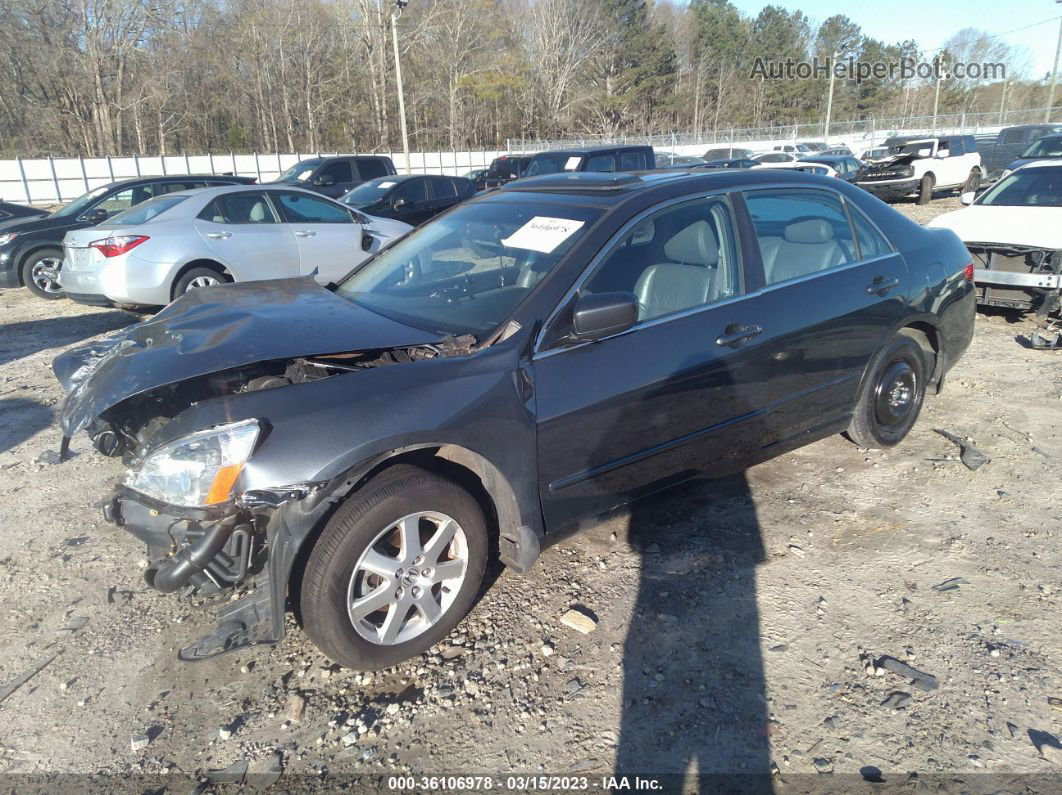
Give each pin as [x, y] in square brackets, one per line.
[1014, 231]
[440, 406]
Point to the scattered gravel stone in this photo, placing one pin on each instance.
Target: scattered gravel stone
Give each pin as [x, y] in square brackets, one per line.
[139, 742]
[225, 732]
[547, 650]
[295, 708]
[580, 619]
[919, 679]
[896, 700]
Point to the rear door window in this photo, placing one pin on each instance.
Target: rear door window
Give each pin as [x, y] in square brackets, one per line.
[370, 168]
[601, 163]
[339, 172]
[414, 191]
[306, 209]
[239, 208]
[632, 161]
[442, 188]
[800, 232]
[871, 242]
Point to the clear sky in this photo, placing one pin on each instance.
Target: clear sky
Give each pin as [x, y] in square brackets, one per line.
[932, 22]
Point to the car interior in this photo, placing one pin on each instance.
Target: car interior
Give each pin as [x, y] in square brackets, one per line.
[681, 258]
[239, 208]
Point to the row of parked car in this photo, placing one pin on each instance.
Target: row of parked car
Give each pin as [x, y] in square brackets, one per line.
[143, 242]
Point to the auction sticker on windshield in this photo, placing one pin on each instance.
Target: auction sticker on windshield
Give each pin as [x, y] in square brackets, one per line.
[573, 163]
[542, 234]
[387, 184]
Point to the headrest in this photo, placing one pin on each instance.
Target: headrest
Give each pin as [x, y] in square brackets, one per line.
[258, 212]
[694, 245]
[812, 230]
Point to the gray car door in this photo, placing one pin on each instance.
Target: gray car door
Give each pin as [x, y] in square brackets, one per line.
[242, 230]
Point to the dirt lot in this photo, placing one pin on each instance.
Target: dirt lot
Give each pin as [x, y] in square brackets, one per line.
[735, 620]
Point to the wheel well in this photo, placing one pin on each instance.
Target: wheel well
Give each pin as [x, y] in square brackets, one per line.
[925, 334]
[199, 263]
[30, 253]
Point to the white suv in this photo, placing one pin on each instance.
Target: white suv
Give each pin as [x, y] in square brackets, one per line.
[923, 165]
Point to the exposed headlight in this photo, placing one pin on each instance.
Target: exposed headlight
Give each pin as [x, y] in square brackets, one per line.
[5, 239]
[199, 469]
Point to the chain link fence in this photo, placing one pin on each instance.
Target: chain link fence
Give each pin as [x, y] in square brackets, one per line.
[867, 131]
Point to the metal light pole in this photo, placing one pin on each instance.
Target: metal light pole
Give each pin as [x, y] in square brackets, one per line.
[395, 14]
[936, 97]
[829, 100]
[1003, 103]
[1054, 72]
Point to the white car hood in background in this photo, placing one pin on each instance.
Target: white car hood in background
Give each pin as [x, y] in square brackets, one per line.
[387, 228]
[1020, 226]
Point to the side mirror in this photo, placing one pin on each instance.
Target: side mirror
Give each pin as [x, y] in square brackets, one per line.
[968, 197]
[324, 181]
[597, 316]
[93, 216]
[398, 204]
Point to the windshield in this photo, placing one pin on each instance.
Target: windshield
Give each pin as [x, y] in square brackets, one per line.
[300, 172]
[1032, 187]
[145, 211]
[369, 192]
[911, 148]
[465, 272]
[79, 204]
[553, 164]
[1045, 147]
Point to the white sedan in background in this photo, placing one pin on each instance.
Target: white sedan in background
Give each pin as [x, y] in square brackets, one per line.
[808, 167]
[1014, 231]
[155, 252]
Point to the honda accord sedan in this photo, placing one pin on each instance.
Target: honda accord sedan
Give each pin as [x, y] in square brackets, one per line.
[160, 249]
[362, 450]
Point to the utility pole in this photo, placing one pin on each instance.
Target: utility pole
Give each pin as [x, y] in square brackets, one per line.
[829, 100]
[1054, 72]
[1003, 103]
[942, 73]
[395, 14]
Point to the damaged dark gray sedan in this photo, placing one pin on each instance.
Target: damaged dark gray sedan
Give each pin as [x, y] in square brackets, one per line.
[528, 361]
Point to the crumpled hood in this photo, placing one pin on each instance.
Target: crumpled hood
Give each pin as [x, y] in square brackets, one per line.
[891, 162]
[217, 328]
[1020, 226]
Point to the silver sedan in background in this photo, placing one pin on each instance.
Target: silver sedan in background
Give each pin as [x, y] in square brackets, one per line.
[158, 250]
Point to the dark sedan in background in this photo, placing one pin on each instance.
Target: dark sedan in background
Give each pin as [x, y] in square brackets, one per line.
[366, 446]
[846, 166]
[413, 199]
[31, 249]
[9, 210]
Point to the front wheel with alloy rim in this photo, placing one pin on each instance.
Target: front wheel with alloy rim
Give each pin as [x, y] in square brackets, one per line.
[40, 273]
[395, 569]
[973, 182]
[892, 395]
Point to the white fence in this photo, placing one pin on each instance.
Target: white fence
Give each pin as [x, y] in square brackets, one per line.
[51, 180]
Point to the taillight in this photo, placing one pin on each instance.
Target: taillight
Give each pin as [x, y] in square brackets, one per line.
[967, 272]
[119, 244]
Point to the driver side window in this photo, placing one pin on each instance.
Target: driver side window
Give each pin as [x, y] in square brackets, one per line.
[679, 258]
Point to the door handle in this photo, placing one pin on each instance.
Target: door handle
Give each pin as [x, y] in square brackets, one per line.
[218, 235]
[304, 233]
[881, 285]
[736, 334]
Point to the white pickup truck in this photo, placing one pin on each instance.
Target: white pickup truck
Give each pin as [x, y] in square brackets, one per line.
[921, 165]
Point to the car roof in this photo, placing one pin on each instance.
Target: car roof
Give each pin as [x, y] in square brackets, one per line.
[824, 158]
[1051, 162]
[223, 189]
[601, 189]
[593, 150]
[125, 183]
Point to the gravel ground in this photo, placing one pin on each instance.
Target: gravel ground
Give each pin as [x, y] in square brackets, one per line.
[754, 625]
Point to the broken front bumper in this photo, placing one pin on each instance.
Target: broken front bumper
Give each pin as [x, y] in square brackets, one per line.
[245, 548]
[1018, 277]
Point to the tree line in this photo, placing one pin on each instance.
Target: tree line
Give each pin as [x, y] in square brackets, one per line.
[111, 77]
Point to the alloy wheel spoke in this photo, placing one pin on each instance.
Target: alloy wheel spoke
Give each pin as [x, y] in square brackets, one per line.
[409, 530]
[370, 603]
[428, 607]
[448, 570]
[396, 617]
[440, 540]
[379, 564]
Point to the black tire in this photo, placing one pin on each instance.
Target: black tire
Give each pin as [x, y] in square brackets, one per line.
[973, 182]
[398, 492]
[36, 281]
[187, 281]
[892, 396]
[925, 189]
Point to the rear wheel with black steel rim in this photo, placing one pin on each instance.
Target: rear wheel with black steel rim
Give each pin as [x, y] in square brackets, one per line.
[892, 395]
[40, 273]
[395, 569]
